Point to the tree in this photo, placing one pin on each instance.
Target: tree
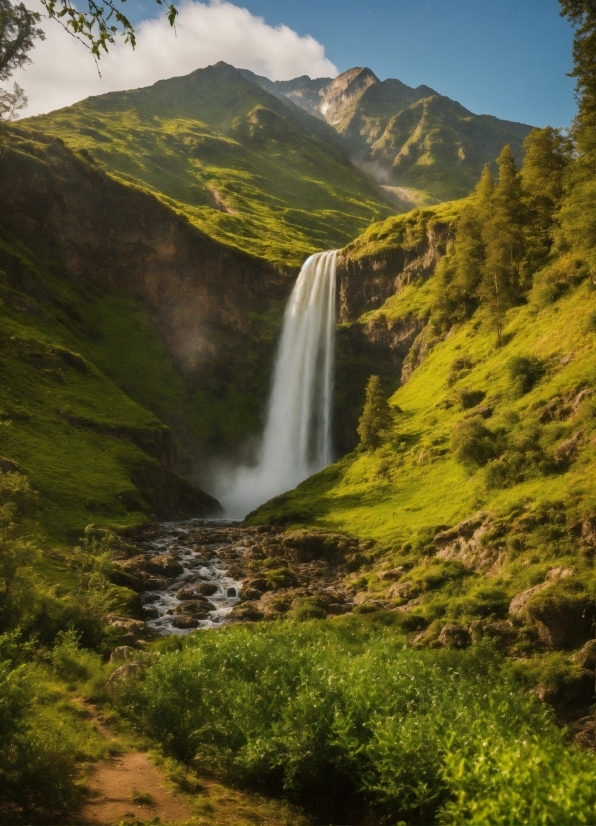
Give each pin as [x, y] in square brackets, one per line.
[578, 213]
[502, 233]
[547, 159]
[376, 416]
[18, 32]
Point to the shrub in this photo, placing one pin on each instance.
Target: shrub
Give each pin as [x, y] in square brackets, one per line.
[348, 715]
[472, 443]
[524, 373]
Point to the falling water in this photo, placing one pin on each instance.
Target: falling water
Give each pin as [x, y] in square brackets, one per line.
[297, 438]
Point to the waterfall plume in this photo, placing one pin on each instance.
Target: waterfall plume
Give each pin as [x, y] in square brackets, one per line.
[297, 437]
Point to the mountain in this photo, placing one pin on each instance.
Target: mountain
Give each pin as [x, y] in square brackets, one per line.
[255, 173]
[422, 146]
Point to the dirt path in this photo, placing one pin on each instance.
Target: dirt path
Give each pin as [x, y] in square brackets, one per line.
[129, 787]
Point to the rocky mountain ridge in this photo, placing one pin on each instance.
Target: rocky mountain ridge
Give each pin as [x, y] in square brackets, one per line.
[410, 138]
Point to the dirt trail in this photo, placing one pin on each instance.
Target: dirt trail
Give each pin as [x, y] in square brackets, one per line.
[129, 787]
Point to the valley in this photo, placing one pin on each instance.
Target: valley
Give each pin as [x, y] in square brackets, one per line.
[367, 316]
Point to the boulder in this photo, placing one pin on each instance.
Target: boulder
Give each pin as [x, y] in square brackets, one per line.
[133, 630]
[123, 673]
[454, 636]
[566, 452]
[185, 621]
[519, 601]
[586, 657]
[165, 565]
[121, 653]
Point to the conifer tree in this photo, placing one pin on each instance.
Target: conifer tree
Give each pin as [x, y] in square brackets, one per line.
[578, 213]
[548, 154]
[376, 416]
[502, 234]
[459, 273]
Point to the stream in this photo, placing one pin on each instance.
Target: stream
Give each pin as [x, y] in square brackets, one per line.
[203, 592]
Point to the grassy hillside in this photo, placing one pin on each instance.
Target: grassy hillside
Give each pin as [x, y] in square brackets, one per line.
[242, 166]
[532, 508]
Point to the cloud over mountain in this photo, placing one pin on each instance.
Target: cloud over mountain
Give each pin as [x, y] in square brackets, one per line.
[63, 70]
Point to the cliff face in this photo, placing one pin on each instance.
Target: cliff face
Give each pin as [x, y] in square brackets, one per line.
[372, 342]
[92, 227]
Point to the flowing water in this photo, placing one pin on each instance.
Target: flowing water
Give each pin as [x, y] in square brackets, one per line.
[297, 437]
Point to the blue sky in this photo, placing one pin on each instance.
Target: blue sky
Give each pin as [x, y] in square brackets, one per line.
[503, 57]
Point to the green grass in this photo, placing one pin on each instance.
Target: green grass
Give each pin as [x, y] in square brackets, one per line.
[79, 371]
[230, 157]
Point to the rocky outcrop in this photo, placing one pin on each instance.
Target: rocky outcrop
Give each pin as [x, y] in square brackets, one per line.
[97, 229]
[366, 282]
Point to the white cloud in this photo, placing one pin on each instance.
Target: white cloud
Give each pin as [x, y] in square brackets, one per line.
[63, 70]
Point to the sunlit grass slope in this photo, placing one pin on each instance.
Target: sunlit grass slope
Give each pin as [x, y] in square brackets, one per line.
[242, 166]
[413, 486]
[413, 482]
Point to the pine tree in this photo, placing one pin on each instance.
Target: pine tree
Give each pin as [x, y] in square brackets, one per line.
[502, 234]
[459, 273]
[548, 154]
[578, 213]
[376, 416]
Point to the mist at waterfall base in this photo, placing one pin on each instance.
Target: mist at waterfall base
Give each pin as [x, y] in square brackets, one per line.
[296, 441]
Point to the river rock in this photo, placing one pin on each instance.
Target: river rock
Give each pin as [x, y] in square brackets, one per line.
[165, 565]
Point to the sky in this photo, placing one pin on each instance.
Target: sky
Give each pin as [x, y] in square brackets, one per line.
[507, 58]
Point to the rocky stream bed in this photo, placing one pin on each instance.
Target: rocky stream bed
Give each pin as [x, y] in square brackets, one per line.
[195, 574]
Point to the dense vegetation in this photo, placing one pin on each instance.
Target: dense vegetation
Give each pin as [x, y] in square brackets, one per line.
[356, 726]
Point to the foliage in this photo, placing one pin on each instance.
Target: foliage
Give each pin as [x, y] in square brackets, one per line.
[524, 373]
[473, 444]
[94, 27]
[18, 33]
[376, 415]
[340, 713]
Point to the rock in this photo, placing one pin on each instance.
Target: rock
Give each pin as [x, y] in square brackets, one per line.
[123, 673]
[9, 466]
[519, 601]
[191, 593]
[502, 631]
[586, 657]
[588, 531]
[246, 612]
[207, 588]
[185, 621]
[485, 412]
[150, 612]
[454, 636]
[566, 452]
[165, 565]
[121, 653]
[199, 610]
[133, 629]
[392, 573]
[256, 584]
[560, 573]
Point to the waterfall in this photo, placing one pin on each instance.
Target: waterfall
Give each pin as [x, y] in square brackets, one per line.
[297, 437]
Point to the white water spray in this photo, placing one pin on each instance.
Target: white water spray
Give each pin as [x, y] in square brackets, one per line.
[297, 438]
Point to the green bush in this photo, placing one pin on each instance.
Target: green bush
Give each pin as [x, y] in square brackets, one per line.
[524, 373]
[38, 770]
[349, 716]
[473, 444]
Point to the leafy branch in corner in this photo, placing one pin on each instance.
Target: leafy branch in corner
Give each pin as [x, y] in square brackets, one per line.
[99, 25]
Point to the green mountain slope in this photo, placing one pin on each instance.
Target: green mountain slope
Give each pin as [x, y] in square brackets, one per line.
[407, 138]
[456, 540]
[248, 170]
